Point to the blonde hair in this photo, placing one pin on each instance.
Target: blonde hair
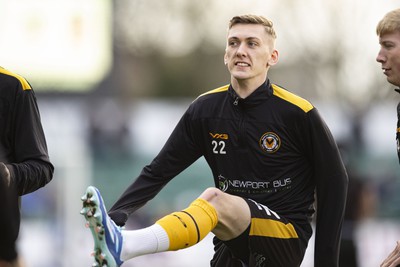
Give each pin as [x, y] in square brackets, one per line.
[254, 19]
[389, 23]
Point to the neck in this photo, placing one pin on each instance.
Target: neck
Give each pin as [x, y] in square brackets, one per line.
[244, 88]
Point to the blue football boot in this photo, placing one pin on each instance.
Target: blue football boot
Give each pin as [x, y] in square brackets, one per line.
[106, 234]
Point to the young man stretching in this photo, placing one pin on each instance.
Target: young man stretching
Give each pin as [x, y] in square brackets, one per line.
[269, 152]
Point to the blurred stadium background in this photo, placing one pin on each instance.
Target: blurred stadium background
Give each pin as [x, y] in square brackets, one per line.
[112, 79]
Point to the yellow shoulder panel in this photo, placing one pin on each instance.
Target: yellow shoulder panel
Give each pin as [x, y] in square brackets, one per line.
[292, 98]
[219, 89]
[24, 83]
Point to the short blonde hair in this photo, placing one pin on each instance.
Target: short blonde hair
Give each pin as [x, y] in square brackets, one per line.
[254, 19]
[389, 23]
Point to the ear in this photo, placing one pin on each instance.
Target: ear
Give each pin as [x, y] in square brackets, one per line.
[273, 59]
[225, 59]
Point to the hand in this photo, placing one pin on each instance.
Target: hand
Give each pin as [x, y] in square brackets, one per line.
[393, 260]
[4, 173]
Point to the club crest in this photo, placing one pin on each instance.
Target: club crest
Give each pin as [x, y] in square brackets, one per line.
[270, 142]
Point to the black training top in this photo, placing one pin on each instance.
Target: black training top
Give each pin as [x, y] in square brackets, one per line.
[22, 142]
[23, 149]
[272, 147]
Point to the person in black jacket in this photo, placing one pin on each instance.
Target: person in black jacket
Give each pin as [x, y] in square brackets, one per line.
[24, 161]
[269, 151]
[388, 31]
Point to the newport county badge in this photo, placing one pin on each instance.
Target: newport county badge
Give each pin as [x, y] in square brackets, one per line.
[270, 142]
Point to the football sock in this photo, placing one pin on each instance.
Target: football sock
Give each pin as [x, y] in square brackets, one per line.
[143, 241]
[187, 227]
[175, 231]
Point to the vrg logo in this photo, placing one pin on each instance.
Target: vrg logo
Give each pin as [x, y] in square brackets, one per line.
[219, 136]
[270, 142]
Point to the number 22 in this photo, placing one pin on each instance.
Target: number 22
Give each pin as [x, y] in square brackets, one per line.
[218, 147]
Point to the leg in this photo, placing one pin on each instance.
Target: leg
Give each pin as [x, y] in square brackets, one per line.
[234, 252]
[270, 240]
[233, 213]
[227, 216]
[274, 240]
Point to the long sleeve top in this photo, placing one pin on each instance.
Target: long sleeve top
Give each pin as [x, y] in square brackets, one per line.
[23, 145]
[272, 147]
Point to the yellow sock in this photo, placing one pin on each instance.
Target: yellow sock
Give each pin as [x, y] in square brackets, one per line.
[186, 228]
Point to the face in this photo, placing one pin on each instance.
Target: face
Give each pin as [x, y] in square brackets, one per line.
[249, 53]
[389, 56]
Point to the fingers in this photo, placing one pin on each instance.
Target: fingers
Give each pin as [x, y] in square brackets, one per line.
[393, 260]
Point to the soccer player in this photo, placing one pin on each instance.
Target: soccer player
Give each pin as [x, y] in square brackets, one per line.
[24, 161]
[388, 31]
[269, 151]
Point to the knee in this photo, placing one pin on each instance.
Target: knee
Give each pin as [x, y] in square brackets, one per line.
[212, 194]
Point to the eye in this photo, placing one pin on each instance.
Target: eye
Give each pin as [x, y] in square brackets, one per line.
[232, 43]
[252, 43]
[387, 45]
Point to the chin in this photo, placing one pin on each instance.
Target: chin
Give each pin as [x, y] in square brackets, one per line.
[240, 76]
[394, 82]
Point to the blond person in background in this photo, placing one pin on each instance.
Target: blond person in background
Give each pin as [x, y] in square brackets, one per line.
[388, 31]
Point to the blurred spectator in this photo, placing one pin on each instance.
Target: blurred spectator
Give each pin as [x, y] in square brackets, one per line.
[109, 133]
[360, 204]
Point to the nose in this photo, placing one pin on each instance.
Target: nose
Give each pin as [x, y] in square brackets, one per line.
[241, 51]
[380, 57]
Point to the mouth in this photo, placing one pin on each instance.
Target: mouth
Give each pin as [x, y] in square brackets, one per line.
[242, 64]
[385, 70]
